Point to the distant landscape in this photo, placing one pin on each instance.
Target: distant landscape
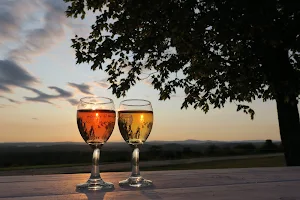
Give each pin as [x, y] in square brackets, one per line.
[15, 155]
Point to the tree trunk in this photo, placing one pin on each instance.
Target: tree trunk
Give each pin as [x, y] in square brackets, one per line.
[284, 82]
[289, 125]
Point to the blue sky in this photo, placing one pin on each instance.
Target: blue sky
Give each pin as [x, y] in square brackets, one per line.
[40, 85]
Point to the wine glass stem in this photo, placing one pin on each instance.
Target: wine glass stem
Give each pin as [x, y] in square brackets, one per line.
[135, 162]
[95, 173]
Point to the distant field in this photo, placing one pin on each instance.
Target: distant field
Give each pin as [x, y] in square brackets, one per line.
[76, 157]
[41, 166]
[276, 161]
[242, 162]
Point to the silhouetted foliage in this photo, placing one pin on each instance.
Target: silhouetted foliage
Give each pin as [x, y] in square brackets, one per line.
[212, 150]
[245, 148]
[155, 149]
[77, 154]
[187, 150]
[215, 51]
[280, 147]
[269, 147]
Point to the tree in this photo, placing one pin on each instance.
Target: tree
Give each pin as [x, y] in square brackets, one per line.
[212, 149]
[155, 150]
[216, 51]
[245, 148]
[269, 147]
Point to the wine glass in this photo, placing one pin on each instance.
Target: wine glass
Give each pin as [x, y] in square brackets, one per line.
[135, 120]
[96, 120]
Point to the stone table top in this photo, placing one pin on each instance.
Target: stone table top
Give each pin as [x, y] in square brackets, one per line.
[281, 183]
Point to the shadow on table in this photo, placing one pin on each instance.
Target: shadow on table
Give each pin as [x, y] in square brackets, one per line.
[149, 192]
[93, 195]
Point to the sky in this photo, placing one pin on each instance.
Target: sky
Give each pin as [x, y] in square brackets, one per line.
[40, 85]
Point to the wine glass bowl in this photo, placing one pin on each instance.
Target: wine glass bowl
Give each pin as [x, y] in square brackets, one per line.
[95, 120]
[135, 121]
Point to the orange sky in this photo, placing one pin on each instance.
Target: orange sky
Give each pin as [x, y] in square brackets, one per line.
[44, 81]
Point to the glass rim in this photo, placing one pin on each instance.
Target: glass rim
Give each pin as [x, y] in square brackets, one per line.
[109, 100]
[147, 103]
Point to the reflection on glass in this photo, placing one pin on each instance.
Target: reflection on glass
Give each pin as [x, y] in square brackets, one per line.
[135, 120]
[96, 120]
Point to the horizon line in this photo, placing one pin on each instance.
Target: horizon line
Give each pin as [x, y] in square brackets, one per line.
[194, 140]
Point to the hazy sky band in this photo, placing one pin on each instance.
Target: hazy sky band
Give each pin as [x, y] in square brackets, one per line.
[40, 86]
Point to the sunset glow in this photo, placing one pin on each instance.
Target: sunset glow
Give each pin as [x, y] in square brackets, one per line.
[142, 119]
[40, 86]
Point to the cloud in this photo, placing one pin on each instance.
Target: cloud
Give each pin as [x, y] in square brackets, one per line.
[148, 81]
[11, 74]
[4, 88]
[12, 15]
[45, 98]
[41, 39]
[73, 102]
[8, 23]
[62, 93]
[176, 96]
[34, 118]
[29, 28]
[46, 19]
[11, 100]
[5, 105]
[84, 88]
[103, 83]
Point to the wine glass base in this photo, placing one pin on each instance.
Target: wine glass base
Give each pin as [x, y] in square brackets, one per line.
[95, 184]
[136, 182]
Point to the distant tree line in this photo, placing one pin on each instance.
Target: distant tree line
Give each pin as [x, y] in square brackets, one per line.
[154, 152]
